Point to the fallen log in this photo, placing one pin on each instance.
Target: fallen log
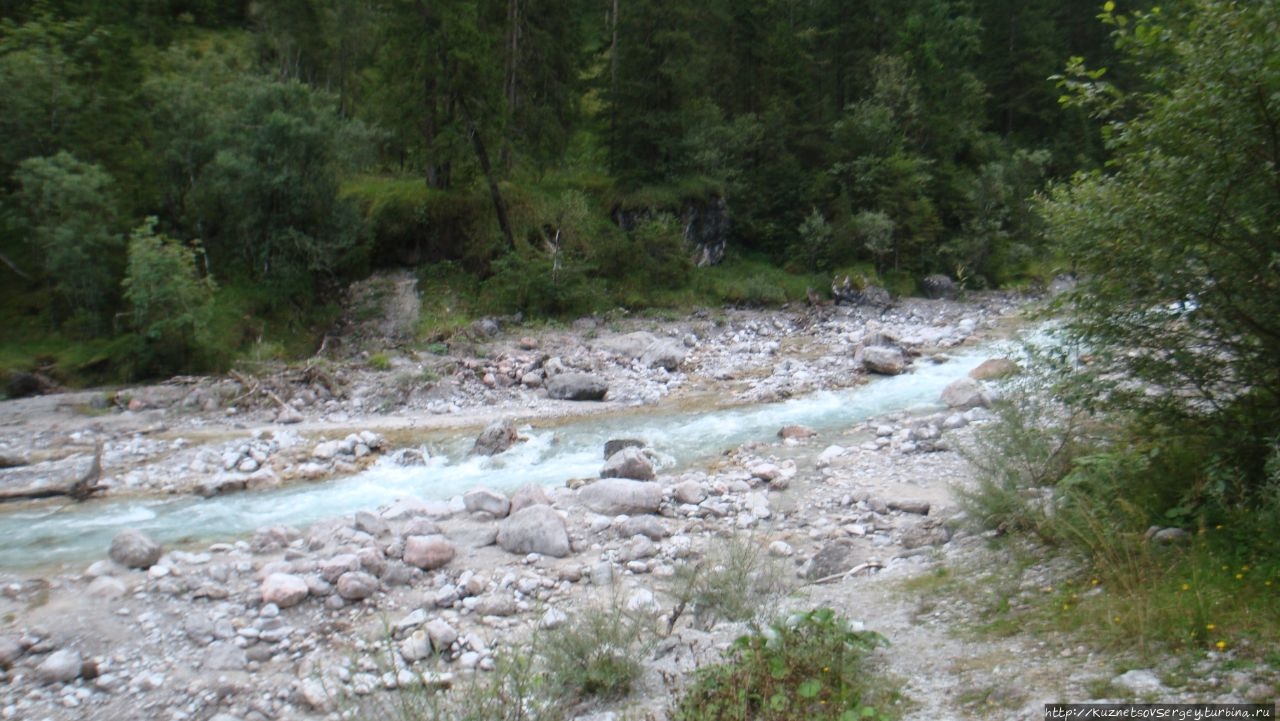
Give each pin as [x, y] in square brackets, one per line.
[80, 488]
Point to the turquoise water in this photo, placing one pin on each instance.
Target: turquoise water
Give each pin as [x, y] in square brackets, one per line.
[32, 537]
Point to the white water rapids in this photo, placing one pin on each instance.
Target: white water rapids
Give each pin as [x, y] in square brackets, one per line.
[38, 536]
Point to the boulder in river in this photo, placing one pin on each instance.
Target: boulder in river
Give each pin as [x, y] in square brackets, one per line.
[134, 549]
[496, 438]
[630, 463]
[884, 360]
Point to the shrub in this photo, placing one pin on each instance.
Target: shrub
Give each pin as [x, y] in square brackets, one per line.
[810, 666]
[596, 655]
[170, 301]
[735, 581]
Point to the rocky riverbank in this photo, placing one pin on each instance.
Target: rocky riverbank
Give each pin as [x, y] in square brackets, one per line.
[304, 623]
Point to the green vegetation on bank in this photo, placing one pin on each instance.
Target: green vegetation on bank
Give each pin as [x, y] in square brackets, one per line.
[566, 157]
[1156, 466]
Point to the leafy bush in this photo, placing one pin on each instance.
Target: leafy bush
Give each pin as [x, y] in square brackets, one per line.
[71, 210]
[1018, 459]
[810, 666]
[170, 301]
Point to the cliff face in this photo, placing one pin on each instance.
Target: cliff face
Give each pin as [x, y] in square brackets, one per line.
[704, 222]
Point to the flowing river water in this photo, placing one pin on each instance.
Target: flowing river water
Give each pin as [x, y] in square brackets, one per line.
[31, 537]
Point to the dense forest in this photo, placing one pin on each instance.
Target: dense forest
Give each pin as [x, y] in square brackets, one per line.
[180, 177]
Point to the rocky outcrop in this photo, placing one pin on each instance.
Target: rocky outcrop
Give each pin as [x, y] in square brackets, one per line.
[704, 223]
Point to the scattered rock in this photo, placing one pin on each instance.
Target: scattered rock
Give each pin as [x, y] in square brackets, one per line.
[428, 552]
[536, 529]
[665, 353]
[62, 666]
[134, 549]
[484, 500]
[284, 590]
[357, 585]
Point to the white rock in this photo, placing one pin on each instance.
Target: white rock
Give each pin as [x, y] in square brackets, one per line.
[536, 529]
[62, 666]
[829, 454]
[484, 500]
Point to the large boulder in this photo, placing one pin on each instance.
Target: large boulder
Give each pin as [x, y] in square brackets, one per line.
[134, 549]
[965, 393]
[630, 463]
[666, 353]
[884, 360]
[428, 552]
[995, 369]
[617, 496]
[938, 286]
[576, 387]
[535, 529]
[496, 438]
[61, 666]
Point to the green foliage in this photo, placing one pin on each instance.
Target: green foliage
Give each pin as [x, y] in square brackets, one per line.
[596, 655]
[1177, 243]
[811, 665]
[170, 301]
[71, 212]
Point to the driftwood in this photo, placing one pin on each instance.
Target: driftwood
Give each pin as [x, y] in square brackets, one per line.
[868, 566]
[80, 489]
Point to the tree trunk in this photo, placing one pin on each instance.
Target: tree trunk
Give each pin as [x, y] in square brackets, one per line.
[499, 205]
